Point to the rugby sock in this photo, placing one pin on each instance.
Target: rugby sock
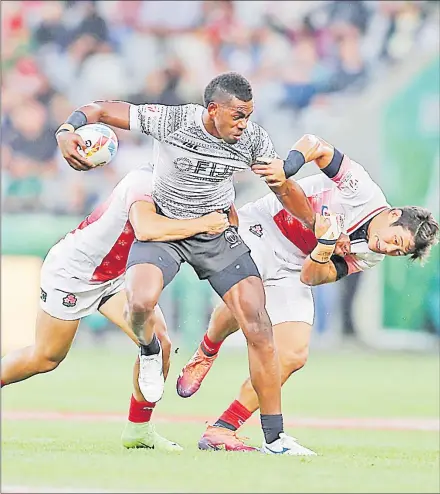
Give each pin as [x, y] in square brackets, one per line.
[209, 348]
[272, 427]
[152, 348]
[140, 411]
[234, 417]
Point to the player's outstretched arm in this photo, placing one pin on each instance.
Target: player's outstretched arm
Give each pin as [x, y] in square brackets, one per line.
[322, 265]
[150, 226]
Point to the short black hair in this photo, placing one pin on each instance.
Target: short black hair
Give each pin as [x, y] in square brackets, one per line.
[226, 86]
[423, 227]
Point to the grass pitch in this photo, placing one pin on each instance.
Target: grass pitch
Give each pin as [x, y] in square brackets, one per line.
[80, 450]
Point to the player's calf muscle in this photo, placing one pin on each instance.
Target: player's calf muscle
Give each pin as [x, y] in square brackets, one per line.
[264, 364]
[266, 380]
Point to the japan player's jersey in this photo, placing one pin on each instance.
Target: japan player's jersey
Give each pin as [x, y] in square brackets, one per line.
[97, 250]
[193, 169]
[351, 192]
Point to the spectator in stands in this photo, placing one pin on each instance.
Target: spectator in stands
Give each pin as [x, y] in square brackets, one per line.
[297, 54]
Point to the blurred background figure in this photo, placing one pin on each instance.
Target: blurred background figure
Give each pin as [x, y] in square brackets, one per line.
[362, 74]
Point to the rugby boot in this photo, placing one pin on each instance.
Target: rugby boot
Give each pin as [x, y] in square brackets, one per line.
[286, 445]
[144, 435]
[220, 438]
[151, 379]
[192, 375]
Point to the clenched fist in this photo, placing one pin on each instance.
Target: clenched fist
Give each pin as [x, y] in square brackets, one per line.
[214, 223]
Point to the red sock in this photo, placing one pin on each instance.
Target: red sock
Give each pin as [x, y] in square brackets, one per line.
[209, 347]
[3, 384]
[236, 415]
[140, 411]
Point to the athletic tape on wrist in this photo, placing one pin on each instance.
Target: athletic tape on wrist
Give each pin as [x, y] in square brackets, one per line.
[326, 242]
[315, 260]
[64, 128]
[293, 163]
[322, 252]
[77, 119]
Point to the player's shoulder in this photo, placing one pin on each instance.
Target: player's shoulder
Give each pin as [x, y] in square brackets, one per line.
[366, 258]
[186, 110]
[370, 259]
[256, 132]
[186, 115]
[139, 177]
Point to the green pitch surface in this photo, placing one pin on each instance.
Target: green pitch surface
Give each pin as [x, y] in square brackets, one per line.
[372, 418]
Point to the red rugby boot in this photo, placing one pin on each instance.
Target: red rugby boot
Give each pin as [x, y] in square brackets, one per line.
[220, 438]
[192, 375]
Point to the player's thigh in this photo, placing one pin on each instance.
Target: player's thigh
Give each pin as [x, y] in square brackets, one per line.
[53, 337]
[291, 311]
[290, 303]
[150, 267]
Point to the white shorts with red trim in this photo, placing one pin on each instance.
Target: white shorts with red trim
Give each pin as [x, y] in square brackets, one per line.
[66, 296]
[287, 298]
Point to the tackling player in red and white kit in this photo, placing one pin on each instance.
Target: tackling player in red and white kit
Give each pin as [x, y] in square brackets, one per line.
[291, 259]
[84, 272]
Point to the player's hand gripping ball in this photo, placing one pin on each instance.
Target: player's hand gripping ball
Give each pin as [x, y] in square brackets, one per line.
[101, 143]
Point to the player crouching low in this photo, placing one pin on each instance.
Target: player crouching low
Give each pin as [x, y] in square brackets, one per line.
[291, 259]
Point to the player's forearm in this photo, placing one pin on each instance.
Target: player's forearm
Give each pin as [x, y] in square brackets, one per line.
[115, 113]
[308, 148]
[165, 229]
[233, 216]
[314, 274]
[294, 200]
[315, 149]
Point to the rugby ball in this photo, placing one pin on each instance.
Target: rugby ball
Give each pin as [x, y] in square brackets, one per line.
[101, 142]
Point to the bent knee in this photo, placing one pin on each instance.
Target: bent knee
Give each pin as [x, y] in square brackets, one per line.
[142, 303]
[293, 360]
[46, 363]
[262, 342]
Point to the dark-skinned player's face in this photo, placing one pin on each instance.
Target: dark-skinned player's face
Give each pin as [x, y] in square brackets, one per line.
[231, 118]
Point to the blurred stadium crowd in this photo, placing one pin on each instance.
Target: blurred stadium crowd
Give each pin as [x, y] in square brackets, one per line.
[57, 55]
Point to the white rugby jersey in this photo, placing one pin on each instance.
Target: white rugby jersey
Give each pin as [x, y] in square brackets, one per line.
[351, 192]
[97, 250]
[193, 169]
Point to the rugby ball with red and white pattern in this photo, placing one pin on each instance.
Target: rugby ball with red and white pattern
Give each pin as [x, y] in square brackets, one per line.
[101, 142]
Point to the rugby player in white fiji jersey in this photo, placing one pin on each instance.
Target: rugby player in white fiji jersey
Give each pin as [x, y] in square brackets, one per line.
[291, 260]
[197, 150]
[84, 273]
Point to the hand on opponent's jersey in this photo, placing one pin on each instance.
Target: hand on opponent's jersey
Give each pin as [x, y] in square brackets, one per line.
[271, 169]
[69, 142]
